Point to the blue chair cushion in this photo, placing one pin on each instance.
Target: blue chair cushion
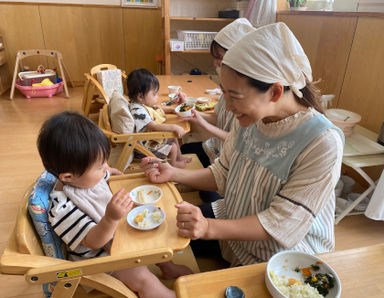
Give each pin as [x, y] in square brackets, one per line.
[38, 207]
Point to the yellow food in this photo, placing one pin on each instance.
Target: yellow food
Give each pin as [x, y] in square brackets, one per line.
[141, 197]
[139, 218]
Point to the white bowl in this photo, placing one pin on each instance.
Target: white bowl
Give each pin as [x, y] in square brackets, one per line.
[187, 113]
[191, 100]
[345, 120]
[149, 221]
[203, 99]
[173, 89]
[151, 194]
[283, 264]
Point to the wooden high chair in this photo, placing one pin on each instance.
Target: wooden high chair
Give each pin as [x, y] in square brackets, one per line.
[23, 255]
[131, 141]
[94, 96]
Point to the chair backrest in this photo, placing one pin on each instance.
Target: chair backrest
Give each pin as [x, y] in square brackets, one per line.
[97, 68]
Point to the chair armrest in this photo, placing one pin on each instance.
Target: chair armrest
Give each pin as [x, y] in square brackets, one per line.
[50, 273]
[98, 86]
[123, 138]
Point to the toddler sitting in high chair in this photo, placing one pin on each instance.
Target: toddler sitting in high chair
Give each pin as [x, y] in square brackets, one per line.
[143, 87]
[83, 211]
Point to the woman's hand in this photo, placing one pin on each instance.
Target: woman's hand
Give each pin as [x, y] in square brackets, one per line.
[196, 118]
[191, 222]
[156, 170]
[119, 206]
[181, 97]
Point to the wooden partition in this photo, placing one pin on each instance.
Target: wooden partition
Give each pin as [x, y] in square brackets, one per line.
[86, 35]
[346, 53]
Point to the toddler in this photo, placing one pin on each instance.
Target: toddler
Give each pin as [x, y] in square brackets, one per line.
[143, 87]
[83, 211]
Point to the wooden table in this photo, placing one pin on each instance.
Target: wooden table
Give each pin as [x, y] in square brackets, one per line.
[192, 86]
[360, 270]
[128, 239]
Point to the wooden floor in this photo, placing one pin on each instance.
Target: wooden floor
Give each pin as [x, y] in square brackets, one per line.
[20, 121]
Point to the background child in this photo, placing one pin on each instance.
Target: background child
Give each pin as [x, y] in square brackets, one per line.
[83, 211]
[143, 87]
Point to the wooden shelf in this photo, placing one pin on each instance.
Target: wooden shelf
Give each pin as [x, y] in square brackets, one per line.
[201, 19]
[192, 52]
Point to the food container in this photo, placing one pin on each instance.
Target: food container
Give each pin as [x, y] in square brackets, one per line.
[345, 120]
[173, 89]
[186, 113]
[287, 265]
[26, 78]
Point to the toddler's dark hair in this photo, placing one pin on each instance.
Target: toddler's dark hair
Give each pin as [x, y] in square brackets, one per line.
[69, 142]
[140, 82]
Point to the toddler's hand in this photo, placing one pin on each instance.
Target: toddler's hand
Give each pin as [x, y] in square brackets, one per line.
[119, 206]
[179, 131]
[114, 171]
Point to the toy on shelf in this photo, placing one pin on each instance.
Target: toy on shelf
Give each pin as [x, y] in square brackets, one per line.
[39, 75]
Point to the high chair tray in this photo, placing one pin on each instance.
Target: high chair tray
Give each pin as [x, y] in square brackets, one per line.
[128, 239]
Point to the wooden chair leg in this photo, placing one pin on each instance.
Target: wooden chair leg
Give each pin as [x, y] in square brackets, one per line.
[14, 76]
[63, 76]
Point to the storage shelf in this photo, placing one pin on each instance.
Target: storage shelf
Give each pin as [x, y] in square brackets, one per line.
[201, 19]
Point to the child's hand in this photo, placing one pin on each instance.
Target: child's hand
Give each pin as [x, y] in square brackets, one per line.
[114, 171]
[119, 206]
[179, 131]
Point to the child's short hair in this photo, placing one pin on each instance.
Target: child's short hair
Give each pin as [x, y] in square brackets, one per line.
[140, 82]
[69, 142]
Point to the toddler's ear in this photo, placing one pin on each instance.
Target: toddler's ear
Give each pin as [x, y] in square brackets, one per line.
[66, 177]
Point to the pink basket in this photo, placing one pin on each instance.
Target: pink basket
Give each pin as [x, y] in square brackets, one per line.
[40, 91]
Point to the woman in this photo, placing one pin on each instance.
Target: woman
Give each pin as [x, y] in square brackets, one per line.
[280, 163]
[219, 123]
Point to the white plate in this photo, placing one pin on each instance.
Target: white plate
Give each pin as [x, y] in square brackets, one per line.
[284, 264]
[152, 194]
[203, 99]
[149, 222]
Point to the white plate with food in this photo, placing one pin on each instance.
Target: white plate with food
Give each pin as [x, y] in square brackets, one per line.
[146, 194]
[146, 217]
[293, 274]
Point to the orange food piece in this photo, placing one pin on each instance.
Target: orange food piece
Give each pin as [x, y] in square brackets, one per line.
[319, 262]
[306, 271]
[149, 192]
[292, 281]
[139, 218]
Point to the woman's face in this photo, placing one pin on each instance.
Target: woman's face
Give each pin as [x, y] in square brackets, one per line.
[247, 103]
[218, 60]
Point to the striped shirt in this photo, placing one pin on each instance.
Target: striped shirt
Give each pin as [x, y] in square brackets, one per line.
[213, 146]
[285, 173]
[71, 225]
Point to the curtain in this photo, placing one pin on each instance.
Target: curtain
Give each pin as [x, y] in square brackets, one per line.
[261, 12]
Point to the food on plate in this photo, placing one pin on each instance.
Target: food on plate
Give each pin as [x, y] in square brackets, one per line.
[185, 107]
[314, 285]
[139, 218]
[156, 216]
[205, 107]
[141, 197]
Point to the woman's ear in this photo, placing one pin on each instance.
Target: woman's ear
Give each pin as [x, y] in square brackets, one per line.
[277, 91]
[66, 177]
